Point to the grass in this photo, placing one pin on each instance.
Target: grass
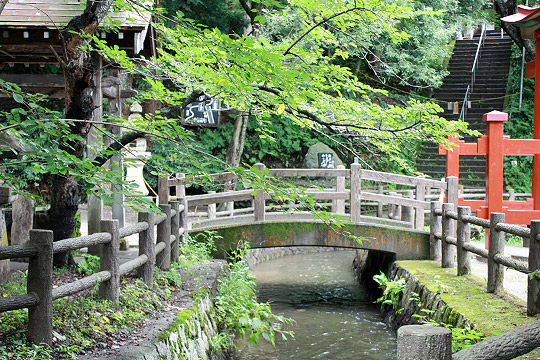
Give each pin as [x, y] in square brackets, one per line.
[79, 322]
[493, 314]
[478, 235]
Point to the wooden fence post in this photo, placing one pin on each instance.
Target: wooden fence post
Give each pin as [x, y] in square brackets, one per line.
[407, 212]
[146, 247]
[163, 259]
[110, 261]
[420, 216]
[452, 193]
[39, 281]
[435, 226]
[496, 246]
[463, 236]
[356, 188]
[533, 285]
[447, 250]
[380, 190]
[175, 230]
[163, 190]
[258, 199]
[212, 208]
[338, 206]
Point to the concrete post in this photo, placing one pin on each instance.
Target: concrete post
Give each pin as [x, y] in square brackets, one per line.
[380, 190]
[356, 188]
[175, 230]
[146, 247]
[39, 281]
[338, 206]
[163, 190]
[258, 200]
[163, 259]
[533, 285]
[407, 212]
[435, 226]
[463, 236]
[110, 261]
[424, 342]
[447, 251]
[496, 246]
[420, 196]
[212, 208]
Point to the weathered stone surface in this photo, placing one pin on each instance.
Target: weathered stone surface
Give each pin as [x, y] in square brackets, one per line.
[311, 160]
[424, 342]
[23, 216]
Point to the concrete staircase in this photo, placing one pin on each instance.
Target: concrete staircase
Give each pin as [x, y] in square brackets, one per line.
[488, 95]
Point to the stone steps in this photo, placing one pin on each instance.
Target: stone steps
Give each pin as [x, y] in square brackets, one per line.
[488, 94]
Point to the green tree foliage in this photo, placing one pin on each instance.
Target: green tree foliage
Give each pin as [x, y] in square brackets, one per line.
[226, 15]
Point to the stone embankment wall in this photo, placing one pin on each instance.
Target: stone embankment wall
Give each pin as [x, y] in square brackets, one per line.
[416, 296]
[190, 336]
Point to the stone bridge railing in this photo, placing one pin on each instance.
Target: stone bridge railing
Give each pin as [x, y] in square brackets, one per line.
[358, 195]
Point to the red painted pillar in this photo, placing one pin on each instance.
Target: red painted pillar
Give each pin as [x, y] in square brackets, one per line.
[494, 161]
[536, 158]
[452, 157]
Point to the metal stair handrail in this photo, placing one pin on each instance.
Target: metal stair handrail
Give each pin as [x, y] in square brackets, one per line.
[470, 87]
[477, 55]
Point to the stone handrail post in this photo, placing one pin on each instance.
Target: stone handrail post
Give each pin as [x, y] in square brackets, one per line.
[146, 247]
[435, 226]
[407, 212]
[391, 207]
[181, 189]
[39, 282]
[452, 193]
[533, 284]
[338, 206]
[258, 200]
[447, 250]
[212, 208]
[511, 194]
[175, 230]
[496, 246]
[463, 236]
[424, 342]
[380, 190]
[356, 188]
[110, 261]
[163, 259]
[420, 196]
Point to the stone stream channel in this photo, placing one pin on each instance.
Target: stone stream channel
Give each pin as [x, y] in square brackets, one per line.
[334, 318]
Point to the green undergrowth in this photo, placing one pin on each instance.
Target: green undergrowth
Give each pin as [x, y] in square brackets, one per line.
[493, 314]
[81, 321]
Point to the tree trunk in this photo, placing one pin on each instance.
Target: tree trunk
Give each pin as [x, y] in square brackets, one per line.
[78, 74]
[509, 7]
[236, 146]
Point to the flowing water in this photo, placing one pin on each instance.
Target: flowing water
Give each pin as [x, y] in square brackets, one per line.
[334, 317]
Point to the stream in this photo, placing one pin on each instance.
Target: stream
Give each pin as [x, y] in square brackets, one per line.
[333, 316]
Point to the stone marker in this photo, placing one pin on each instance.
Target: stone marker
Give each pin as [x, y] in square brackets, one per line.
[312, 157]
[23, 219]
[424, 342]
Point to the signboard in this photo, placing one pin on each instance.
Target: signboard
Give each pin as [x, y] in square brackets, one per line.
[203, 112]
[326, 160]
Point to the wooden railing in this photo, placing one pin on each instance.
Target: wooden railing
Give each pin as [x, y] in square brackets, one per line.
[450, 233]
[406, 206]
[40, 294]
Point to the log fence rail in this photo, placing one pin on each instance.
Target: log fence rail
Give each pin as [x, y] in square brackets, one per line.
[171, 226]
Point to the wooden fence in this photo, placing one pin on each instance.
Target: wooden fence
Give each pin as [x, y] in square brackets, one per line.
[40, 294]
[406, 206]
[444, 244]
